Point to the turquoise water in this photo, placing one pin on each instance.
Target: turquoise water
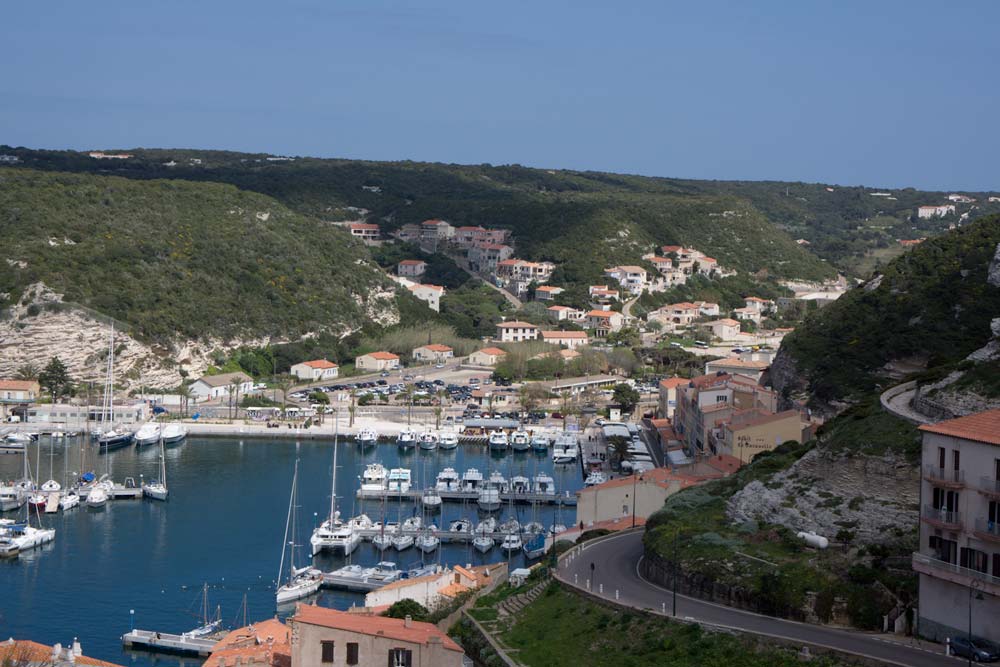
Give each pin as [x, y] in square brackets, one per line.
[222, 526]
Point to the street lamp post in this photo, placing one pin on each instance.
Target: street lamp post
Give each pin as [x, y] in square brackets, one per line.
[673, 585]
[634, 477]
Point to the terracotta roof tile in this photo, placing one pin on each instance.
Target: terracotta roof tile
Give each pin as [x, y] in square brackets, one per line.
[494, 351]
[980, 427]
[382, 356]
[320, 363]
[394, 628]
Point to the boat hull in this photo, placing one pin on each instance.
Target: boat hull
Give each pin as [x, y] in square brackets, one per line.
[115, 442]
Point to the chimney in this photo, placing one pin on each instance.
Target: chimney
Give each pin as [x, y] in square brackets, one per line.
[408, 622]
[77, 649]
[56, 652]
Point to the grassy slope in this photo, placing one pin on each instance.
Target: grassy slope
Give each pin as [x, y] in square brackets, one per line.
[933, 301]
[561, 629]
[175, 257]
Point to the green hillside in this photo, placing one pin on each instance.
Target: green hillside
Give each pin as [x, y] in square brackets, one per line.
[934, 302]
[582, 220]
[176, 258]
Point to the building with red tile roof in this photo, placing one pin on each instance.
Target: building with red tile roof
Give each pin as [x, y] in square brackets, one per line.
[433, 352]
[317, 369]
[27, 653]
[267, 643]
[321, 635]
[377, 361]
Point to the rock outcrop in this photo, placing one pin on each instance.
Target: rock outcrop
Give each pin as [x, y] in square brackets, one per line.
[873, 498]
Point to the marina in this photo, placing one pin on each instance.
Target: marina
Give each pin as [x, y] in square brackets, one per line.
[153, 556]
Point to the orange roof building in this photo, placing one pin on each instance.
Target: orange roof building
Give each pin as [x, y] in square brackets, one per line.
[981, 427]
[26, 653]
[264, 643]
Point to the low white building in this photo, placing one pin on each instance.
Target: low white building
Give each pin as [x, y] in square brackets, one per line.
[429, 294]
[547, 292]
[488, 356]
[516, 332]
[209, 387]
[632, 278]
[926, 212]
[434, 352]
[318, 369]
[724, 329]
[571, 339]
[411, 268]
[377, 361]
[604, 322]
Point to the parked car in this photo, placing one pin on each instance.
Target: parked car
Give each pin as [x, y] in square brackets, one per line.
[557, 415]
[977, 650]
[600, 421]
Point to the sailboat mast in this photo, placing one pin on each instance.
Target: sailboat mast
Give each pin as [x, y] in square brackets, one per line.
[288, 523]
[295, 523]
[333, 475]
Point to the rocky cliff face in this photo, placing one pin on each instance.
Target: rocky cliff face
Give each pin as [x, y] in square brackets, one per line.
[41, 326]
[873, 498]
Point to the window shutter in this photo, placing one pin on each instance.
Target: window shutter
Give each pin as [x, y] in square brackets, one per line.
[408, 658]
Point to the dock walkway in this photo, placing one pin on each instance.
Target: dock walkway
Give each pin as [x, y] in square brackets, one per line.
[168, 643]
[565, 498]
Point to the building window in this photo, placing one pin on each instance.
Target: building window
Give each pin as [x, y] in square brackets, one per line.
[974, 559]
[944, 550]
[352, 653]
[955, 459]
[327, 652]
[941, 458]
[400, 657]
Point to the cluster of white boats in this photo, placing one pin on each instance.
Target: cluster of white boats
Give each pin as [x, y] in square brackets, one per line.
[341, 537]
[566, 449]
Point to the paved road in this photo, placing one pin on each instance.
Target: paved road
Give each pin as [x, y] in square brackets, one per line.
[897, 401]
[616, 562]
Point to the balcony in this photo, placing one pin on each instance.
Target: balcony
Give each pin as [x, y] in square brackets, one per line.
[950, 479]
[989, 487]
[942, 518]
[956, 574]
[987, 530]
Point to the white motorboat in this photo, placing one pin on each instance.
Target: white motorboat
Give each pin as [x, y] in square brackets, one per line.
[511, 542]
[301, 582]
[431, 499]
[173, 433]
[564, 454]
[428, 441]
[428, 541]
[447, 480]
[487, 526]
[334, 536]
[460, 526]
[498, 440]
[97, 497]
[413, 523]
[540, 444]
[489, 499]
[367, 437]
[544, 484]
[148, 434]
[594, 478]
[399, 480]
[375, 478]
[69, 500]
[407, 439]
[497, 481]
[472, 479]
[26, 537]
[115, 438]
[358, 578]
[520, 441]
[520, 484]
[17, 437]
[534, 545]
[483, 543]
[511, 525]
[382, 541]
[448, 440]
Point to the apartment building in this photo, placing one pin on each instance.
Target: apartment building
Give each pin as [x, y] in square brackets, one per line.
[429, 294]
[632, 279]
[518, 274]
[708, 400]
[516, 332]
[603, 322]
[367, 233]
[959, 557]
[484, 257]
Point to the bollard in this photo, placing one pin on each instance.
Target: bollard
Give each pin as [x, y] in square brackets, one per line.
[575, 578]
[588, 584]
[616, 593]
[602, 589]
[664, 608]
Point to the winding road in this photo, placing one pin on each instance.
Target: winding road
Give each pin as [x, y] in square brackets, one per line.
[615, 562]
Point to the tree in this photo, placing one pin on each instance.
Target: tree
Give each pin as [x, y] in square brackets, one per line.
[407, 607]
[27, 372]
[184, 391]
[55, 378]
[353, 407]
[442, 396]
[530, 396]
[626, 396]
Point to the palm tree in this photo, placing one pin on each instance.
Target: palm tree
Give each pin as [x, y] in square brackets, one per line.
[184, 391]
[439, 408]
[285, 383]
[234, 390]
[353, 407]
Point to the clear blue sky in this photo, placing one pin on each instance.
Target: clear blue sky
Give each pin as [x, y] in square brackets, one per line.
[852, 92]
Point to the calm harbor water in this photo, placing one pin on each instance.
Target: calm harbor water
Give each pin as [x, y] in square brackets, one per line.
[223, 526]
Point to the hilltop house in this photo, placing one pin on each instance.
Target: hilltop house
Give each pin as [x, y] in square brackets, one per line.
[434, 233]
[750, 314]
[433, 352]
[517, 274]
[466, 237]
[762, 306]
[429, 294]
[209, 387]
[633, 279]
[484, 257]
[547, 292]
[678, 315]
[488, 356]
[925, 212]
[318, 369]
[601, 294]
[516, 332]
[377, 361]
[958, 558]
[724, 329]
[560, 313]
[322, 636]
[411, 268]
[367, 233]
[571, 339]
[604, 322]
